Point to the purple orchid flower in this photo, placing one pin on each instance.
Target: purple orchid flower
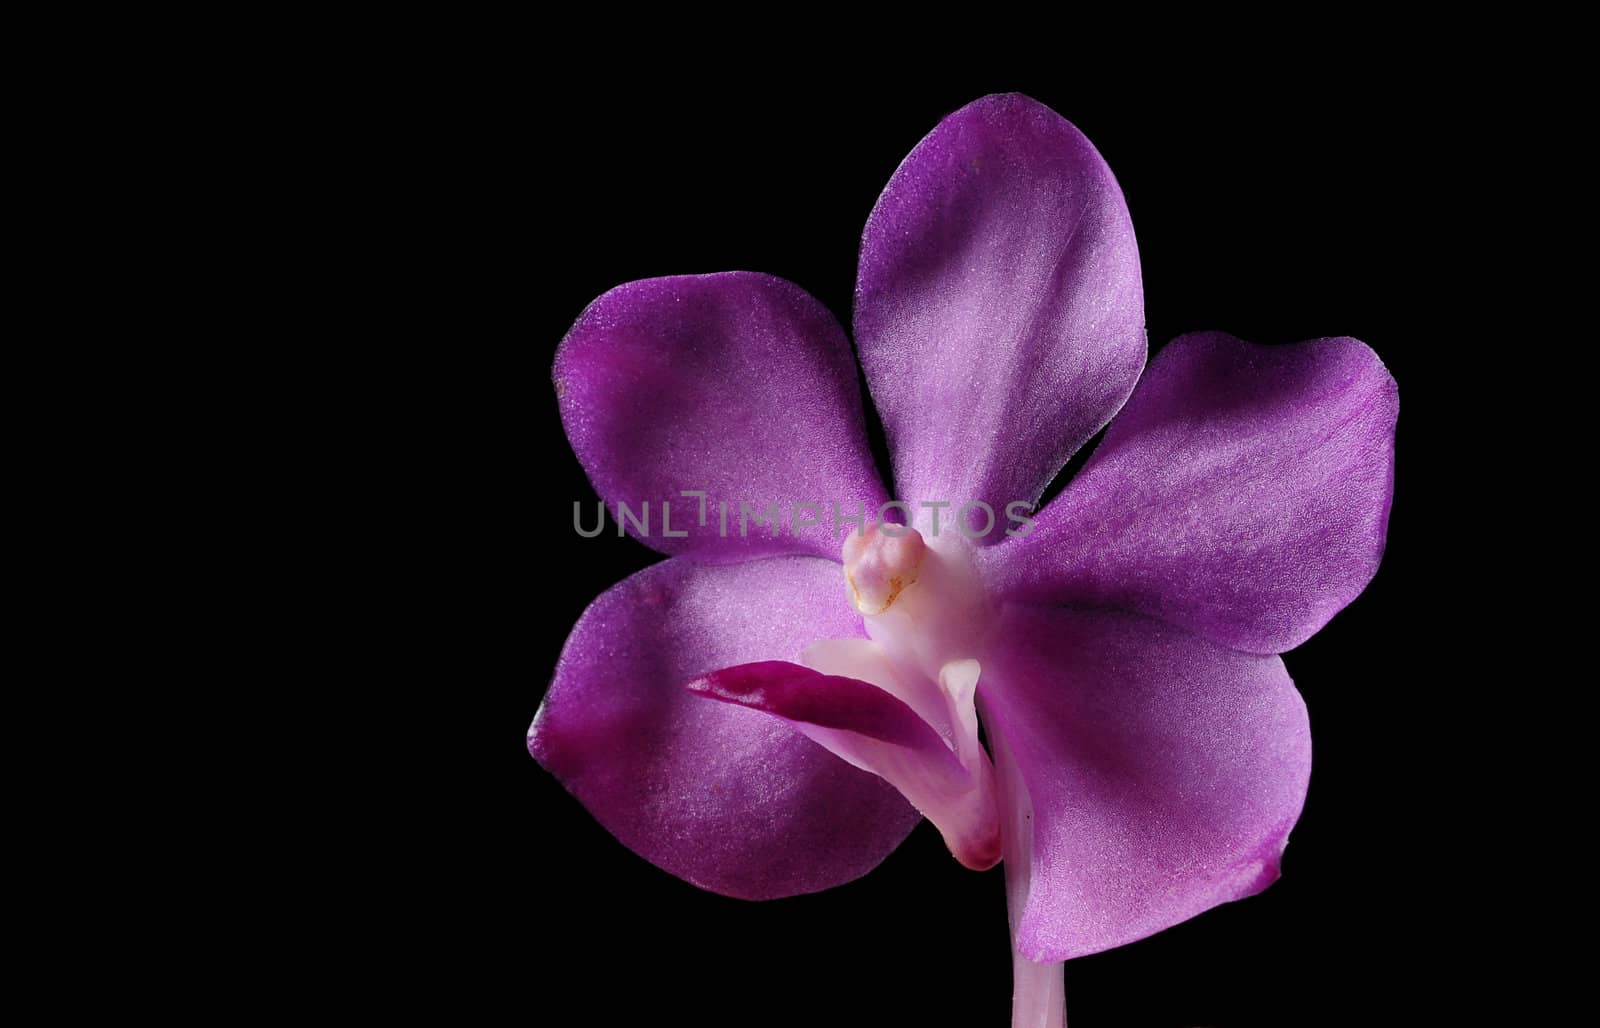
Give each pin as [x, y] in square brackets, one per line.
[761, 721]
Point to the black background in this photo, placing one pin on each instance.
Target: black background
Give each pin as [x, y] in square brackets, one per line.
[1277, 210]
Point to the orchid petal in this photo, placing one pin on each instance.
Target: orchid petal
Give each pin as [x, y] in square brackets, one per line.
[999, 310]
[1243, 494]
[1162, 773]
[738, 386]
[727, 798]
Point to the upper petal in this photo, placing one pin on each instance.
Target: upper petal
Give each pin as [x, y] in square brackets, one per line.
[725, 797]
[1243, 493]
[999, 311]
[1162, 774]
[738, 385]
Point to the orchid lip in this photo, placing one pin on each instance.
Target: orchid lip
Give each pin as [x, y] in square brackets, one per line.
[953, 786]
[875, 728]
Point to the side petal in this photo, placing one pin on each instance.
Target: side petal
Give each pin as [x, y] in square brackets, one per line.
[1163, 774]
[999, 310]
[737, 385]
[876, 731]
[727, 798]
[1243, 494]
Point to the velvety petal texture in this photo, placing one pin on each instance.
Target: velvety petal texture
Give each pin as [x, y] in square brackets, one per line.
[728, 798]
[1162, 774]
[738, 385]
[999, 311]
[1243, 494]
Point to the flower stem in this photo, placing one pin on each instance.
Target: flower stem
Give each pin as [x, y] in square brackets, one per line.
[1038, 991]
[1038, 995]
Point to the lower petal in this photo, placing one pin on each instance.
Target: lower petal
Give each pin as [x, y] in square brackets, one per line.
[1162, 774]
[726, 798]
